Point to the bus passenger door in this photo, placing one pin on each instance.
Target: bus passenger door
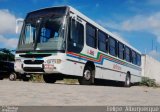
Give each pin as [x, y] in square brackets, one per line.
[75, 37]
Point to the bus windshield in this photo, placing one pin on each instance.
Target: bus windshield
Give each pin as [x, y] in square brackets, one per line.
[43, 30]
[50, 34]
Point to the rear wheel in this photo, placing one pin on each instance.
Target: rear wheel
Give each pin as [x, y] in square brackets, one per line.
[49, 78]
[12, 76]
[88, 77]
[127, 82]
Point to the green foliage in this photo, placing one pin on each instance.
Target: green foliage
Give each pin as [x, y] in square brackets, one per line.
[148, 82]
[6, 55]
[37, 78]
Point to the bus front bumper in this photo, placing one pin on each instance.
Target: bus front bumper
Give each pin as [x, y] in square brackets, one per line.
[36, 68]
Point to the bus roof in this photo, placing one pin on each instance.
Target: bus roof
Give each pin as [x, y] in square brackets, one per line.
[96, 25]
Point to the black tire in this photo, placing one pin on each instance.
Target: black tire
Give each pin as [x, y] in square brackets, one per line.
[49, 78]
[1, 78]
[88, 76]
[127, 82]
[25, 78]
[12, 76]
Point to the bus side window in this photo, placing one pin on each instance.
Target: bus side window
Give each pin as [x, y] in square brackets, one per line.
[91, 36]
[138, 59]
[134, 57]
[120, 50]
[112, 46]
[75, 37]
[127, 54]
[102, 41]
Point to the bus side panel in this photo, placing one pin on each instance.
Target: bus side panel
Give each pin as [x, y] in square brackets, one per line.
[98, 73]
[72, 66]
[111, 75]
[135, 74]
[135, 78]
[113, 71]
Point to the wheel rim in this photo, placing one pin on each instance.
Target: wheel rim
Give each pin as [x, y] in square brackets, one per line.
[87, 74]
[12, 76]
[128, 81]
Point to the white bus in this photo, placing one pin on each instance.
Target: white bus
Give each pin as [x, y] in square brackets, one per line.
[60, 42]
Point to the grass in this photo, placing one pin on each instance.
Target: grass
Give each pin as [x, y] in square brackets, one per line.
[37, 78]
[146, 81]
[70, 81]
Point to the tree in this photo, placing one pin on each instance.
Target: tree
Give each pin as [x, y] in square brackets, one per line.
[6, 55]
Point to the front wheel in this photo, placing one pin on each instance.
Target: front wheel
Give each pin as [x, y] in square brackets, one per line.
[12, 76]
[88, 77]
[49, 78]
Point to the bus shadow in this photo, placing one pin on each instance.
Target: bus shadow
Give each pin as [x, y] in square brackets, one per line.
[102, 82]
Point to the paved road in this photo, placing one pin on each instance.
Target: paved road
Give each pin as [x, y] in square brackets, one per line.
[21, 93]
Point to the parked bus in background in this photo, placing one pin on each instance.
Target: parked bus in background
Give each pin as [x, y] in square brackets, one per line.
[60, 42]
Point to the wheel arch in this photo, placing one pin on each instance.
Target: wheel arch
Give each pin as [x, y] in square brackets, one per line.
[128, 73]
[91, 67]
[90, 64]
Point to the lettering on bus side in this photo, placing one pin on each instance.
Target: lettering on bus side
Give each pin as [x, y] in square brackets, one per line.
[117, 67]
[91, 52]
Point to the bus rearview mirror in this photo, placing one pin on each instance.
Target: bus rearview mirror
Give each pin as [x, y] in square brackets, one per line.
[19, 23]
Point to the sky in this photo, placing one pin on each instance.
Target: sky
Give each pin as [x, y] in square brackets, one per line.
[135, 21]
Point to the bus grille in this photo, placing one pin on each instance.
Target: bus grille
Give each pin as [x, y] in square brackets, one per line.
[33, 61]
[33, 69]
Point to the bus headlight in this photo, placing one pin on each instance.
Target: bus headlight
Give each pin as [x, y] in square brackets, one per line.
[18, 64]
[54, 61]
[18, 61]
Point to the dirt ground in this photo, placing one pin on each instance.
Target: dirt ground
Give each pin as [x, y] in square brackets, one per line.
[19, 93]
